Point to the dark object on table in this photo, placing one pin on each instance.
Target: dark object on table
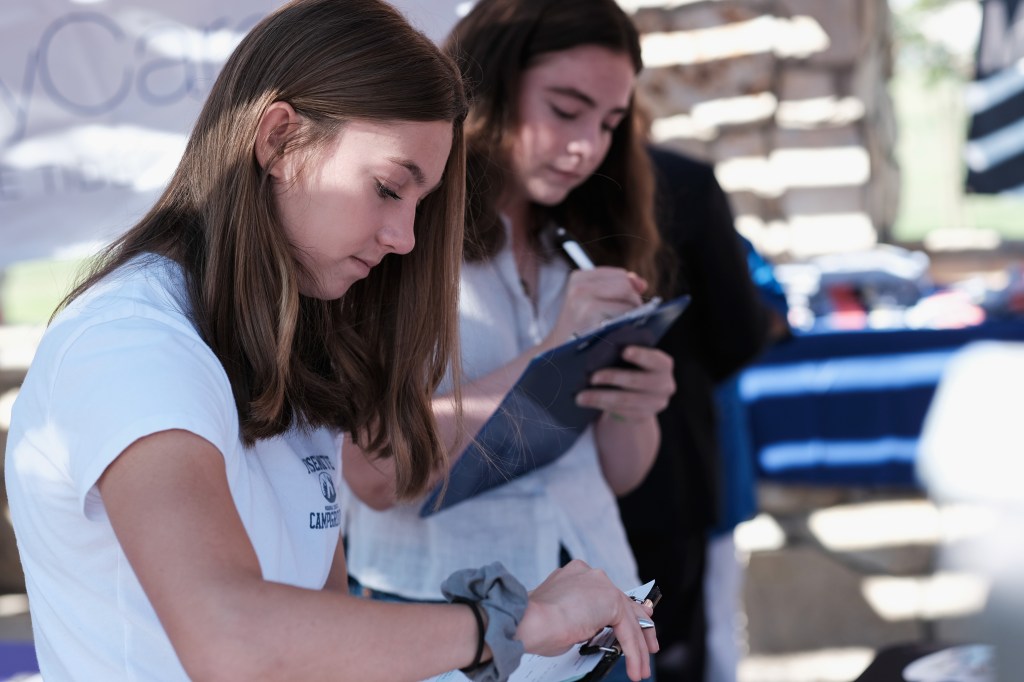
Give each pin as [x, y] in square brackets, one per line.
[891, 663]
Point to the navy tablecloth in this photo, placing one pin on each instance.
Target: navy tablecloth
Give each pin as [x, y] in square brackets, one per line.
[17, 659]
[847, 407]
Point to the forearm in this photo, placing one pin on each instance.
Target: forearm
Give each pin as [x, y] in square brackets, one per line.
[262, 630]
[626, 449]
[258, 630]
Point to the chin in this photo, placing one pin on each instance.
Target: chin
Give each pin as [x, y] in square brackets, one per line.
[335, 293]
[550, 196]
[326, 292]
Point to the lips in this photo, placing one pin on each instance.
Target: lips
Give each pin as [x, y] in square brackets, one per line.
[369, 265]
[571, 178]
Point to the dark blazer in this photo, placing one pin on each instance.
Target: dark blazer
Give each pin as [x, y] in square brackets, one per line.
[725, 327]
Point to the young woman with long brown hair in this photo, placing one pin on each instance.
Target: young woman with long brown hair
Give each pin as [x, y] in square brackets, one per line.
[552, 143]
[173, 462]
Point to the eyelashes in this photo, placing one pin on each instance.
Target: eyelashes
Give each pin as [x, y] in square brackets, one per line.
[385, 192]
[569, 116]
[562, 114]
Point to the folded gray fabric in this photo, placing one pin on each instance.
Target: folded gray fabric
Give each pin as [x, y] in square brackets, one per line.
[504, 599]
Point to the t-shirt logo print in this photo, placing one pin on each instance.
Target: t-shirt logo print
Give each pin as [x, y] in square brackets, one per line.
[327, 487]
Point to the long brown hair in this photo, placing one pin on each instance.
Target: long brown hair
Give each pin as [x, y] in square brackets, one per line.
[369, 362]
[612, 211]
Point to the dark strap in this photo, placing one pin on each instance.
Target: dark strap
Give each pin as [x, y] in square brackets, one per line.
[481, 630]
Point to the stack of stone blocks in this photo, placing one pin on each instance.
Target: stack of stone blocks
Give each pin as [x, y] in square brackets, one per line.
[788, 99]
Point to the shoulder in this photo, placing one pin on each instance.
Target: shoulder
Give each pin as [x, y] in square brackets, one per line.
[138, 317]
[121, 362]
[149, 291]
[674, 165]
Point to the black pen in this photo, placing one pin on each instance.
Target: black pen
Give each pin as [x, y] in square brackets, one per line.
[571, 248]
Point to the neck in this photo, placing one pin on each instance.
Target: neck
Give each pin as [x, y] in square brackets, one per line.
[517, 211]
[519, 216]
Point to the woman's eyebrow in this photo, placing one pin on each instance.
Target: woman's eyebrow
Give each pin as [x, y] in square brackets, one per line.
[418, 176]
[417, 173]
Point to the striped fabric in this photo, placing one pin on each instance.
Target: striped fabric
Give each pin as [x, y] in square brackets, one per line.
[995, 102]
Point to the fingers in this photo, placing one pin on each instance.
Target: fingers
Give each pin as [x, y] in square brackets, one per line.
[650, 634]
[638, 282]
[648, 640]
[576, 601]
[635, 393]
[651, 371]
[593, 297]
[637, 645]
[607, 285]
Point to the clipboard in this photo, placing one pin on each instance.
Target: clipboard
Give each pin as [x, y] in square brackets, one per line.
[539, 420]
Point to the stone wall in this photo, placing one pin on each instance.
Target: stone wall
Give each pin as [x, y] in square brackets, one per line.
[789, 100]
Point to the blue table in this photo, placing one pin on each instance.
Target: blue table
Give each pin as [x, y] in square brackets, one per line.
[16, 659]
[846, 408]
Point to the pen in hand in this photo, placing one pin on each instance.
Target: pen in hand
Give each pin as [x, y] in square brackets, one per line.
[571, 248]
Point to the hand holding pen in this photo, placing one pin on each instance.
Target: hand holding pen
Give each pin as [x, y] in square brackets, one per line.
[593, 297]
[595, 293]
[639, 390]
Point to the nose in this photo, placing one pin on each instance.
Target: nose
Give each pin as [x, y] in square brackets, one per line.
[399, 235]
[585, 143]
[580, 147]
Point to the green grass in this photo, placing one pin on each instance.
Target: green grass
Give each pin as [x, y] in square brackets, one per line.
[29, 291]
[1003, 214]
[932, 125]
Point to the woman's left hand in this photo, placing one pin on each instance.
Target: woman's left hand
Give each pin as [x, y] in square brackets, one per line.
[634, 393]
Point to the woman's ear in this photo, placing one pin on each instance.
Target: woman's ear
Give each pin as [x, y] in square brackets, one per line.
[271, 135]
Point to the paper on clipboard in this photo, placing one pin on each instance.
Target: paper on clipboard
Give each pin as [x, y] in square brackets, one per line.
[539, 420]
[569, 667]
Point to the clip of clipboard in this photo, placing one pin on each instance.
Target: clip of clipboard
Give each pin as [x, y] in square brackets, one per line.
[539, 420]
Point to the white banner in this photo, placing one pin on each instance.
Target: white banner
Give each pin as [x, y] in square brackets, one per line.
[97, 98]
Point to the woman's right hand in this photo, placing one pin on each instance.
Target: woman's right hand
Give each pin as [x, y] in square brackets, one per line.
[594, 296]
[573, 604]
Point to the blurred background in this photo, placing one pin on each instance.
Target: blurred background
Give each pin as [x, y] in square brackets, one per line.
[872, 153]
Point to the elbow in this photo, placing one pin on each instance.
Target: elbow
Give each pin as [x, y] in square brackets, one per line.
[216, 668]
[226, 636]
[223, 658]
[234, 643]
[621, 488]
[210, 670]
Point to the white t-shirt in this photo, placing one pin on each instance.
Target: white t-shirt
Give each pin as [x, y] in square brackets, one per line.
[522, 523]
[120, 363]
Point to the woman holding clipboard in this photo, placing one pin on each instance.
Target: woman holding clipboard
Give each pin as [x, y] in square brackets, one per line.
[551, 144]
